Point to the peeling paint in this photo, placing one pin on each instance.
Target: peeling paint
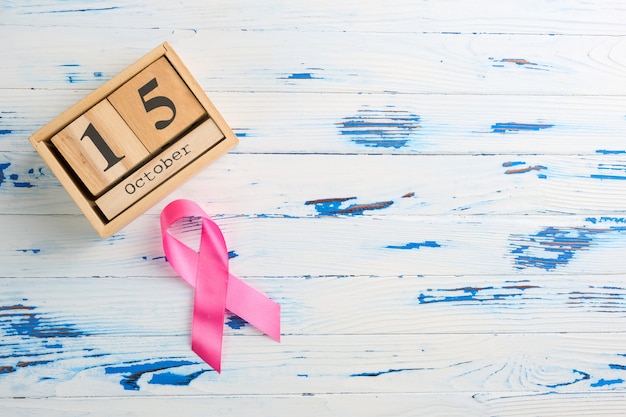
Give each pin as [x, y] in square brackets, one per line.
[235, 322]
[524, 170]
[132, 373]
[386, 128]
[610, 172]
[22, 320]
[2, 174]
[388, 371]
[514, 127]
[417, 245]
[610, 152]
[309, 74]
[604, 382]
[472, 294]
[513, 163]
[553, 247]
[169, 378]
[518, 62]
[332, 206]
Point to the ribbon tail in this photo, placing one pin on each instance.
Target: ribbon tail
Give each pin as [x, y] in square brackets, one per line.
[253, 306]
[208, 308]
[206, 334]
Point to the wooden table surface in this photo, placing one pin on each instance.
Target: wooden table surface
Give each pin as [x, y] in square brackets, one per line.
[435, 193]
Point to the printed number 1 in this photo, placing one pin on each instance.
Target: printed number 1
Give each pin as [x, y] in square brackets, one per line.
[102, 146]
[156, 102]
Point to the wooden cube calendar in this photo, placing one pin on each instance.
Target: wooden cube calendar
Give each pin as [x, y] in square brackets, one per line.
[133, 140]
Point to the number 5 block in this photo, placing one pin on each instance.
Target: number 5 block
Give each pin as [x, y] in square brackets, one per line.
[133, 140]
[157, 105]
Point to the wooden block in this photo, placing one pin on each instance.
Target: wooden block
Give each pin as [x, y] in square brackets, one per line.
[72, 166]
[157, 105]
[99, 147]
[159, 169]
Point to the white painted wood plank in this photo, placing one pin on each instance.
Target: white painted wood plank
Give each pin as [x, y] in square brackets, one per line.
[332, 245]
[378, 123]
[462, 404]
[605, 17]
[251, 184]
[98, 366]
[331, 62]
[137, 307]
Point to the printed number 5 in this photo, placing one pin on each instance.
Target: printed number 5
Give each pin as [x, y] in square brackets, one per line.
[156, 102]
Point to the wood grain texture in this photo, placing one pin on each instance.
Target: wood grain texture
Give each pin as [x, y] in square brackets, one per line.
[433, 192]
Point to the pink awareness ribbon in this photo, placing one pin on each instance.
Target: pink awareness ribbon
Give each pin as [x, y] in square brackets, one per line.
[216, 289]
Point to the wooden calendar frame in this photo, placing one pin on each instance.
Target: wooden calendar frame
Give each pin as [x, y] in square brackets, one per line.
[106, 225]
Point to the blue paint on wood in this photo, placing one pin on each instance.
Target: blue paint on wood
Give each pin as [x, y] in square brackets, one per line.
[608, 177]
[35, 251]
[606, 219]
[417, 245]
[553, 247]
[579, 376]
[332, 206]
[241, 132]
[389, 371]
[2, 174]
[386, 128]
[15, 177]
[132, 373]
[518, 62]
[22, 320]
[611, 172]
[235, 322]
[472, 294]
[610, 152]
[512, 164]
[97, 74]
[513, 127]
[308, 75]
[169, 378]
[617, 366]
[604, 382]
[232, 254]
[5, 132]
[300, 76]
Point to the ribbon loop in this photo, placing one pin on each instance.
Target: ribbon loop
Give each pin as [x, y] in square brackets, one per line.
[216, 289]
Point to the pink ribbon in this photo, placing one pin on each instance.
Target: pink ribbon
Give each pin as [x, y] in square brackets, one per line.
[216, 289]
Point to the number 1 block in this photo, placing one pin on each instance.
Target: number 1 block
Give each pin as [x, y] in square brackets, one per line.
[100, 147]
[133, 140]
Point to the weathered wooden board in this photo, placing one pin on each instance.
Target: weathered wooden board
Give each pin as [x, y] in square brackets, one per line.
[379, 123]
[96, 366]
[363, 62]
[460, 404]
[151, 306]
[349, 245]
[400, 16]
[348, 185]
